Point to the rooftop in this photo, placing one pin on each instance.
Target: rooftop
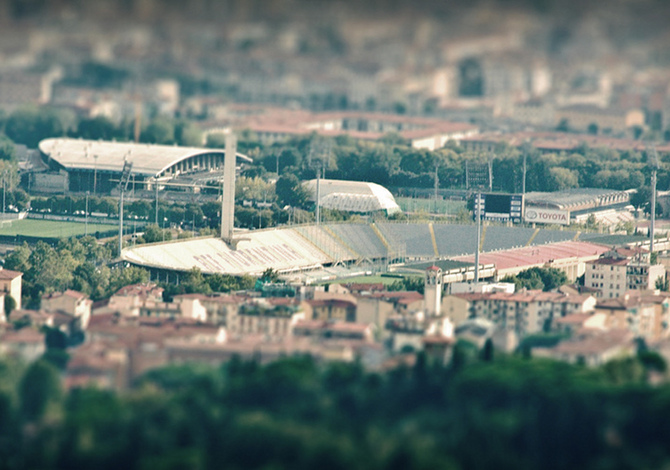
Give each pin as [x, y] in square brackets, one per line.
[537, 255]
[147, 159]
[8, 275]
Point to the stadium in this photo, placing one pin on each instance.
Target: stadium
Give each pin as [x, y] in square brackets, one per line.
[307, 253]
[96, 166]
[316, 253]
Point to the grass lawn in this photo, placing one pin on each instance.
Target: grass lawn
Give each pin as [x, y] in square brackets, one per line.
[51, 228]
[444, 206]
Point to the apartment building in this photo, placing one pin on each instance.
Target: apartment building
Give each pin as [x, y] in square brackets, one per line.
[617, 272]
[525, 312]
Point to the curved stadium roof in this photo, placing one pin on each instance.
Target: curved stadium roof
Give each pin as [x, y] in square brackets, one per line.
[353, 196]
[147, 159]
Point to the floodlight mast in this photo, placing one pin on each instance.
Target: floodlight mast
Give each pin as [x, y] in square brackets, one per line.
[318, 158]
[478, 215]
[655, 166]
[228, 191]
[123, 185]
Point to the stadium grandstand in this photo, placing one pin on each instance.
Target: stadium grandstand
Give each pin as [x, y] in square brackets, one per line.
[353, 196]
[606, 205]
[96, 166]
[569, 257]
[327, 251]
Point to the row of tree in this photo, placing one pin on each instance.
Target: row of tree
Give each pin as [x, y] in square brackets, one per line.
[391, 161]
[83, 265]
[480, 412]
[30, 125]
[79, 264]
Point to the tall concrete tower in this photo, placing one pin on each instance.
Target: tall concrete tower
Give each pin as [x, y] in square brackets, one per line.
[432, 292]
[228, 199]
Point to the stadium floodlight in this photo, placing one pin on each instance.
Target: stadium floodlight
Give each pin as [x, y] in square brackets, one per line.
[123, 185]
[228, 191]
[318, 158]
[655, 165]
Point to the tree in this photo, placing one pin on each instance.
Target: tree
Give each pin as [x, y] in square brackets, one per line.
[39, 387]
[10, 305]
[99, 127]
[546, 279]
[269, 275]
[29, 126]
[562, 178]
[290, 191]
[7, 149]
[487, 351]
[153, 233]
[159, 131]
[187, 134]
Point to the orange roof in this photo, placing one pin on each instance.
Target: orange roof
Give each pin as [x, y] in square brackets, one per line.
[537, 255]
[7, 274]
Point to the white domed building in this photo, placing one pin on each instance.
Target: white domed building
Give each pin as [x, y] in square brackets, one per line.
[353, 196]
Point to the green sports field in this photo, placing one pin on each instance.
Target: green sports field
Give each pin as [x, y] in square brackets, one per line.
[444, 206]
[51, 228]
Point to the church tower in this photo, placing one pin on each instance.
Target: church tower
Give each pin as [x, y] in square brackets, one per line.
[432, 291]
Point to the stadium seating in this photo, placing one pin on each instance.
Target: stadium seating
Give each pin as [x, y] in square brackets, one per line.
[362, 238]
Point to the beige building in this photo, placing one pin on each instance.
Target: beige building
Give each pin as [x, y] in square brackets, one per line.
[10, 283]
[129, 299]
[330, 309]
[592, 349]
[526, 312]
[71, 302]
[220, 309]
[645, 314]
[26, 344]
[273, 318]
[616, 273]
[580, 117]
[377, 307]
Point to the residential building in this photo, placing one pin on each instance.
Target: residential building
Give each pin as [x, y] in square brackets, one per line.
[592, 348]
[71, 302]
[607, 120]
[525, 312]
[644, 313]
[220, 309]
[129, 299]
[330, 309]
[273, 318]
[26, 344]
[377, 307]
[621, 270]
[10, 283]
[407, 331]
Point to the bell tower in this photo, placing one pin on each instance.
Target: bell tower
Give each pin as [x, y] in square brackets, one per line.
[432, 291]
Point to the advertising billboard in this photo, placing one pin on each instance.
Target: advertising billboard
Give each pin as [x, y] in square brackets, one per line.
[540, 215]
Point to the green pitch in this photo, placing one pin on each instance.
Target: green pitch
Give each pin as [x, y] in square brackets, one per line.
[51, 228]
[441, 206]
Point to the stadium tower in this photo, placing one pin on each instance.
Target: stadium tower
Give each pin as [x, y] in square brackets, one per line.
[432, 292]
[228, 198]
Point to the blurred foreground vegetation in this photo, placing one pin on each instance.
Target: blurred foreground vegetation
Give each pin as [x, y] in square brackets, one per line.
[507, 413]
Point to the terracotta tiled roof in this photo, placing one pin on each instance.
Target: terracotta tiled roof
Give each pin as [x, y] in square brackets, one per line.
[537, 255]
[7, 274]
